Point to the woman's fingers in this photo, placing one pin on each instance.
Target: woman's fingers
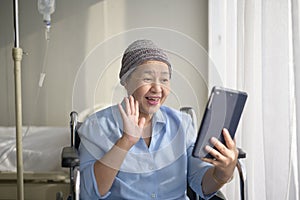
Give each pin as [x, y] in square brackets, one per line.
[123, 114]
[214, 152]
[132, 105]
[131, 123]
[228, 140]
[137, 112]
[224, 156]
[220, 146]
[222, 152]
[127, 106]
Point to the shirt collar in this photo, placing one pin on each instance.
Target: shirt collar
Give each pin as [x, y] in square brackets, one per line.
[159, 117]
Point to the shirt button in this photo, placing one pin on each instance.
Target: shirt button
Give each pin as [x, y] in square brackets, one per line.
[153, 195]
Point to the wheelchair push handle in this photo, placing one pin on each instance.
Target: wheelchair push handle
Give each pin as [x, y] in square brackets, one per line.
[73, 124]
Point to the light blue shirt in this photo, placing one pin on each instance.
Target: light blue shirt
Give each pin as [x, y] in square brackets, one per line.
[160, 171]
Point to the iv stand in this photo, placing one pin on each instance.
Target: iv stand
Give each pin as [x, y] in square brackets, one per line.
[17, 57]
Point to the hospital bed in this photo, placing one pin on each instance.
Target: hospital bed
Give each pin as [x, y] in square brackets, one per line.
[43, 175]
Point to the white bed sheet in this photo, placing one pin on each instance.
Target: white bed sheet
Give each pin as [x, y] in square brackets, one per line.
[42, 148]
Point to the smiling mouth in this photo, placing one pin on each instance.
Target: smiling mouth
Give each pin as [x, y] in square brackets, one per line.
[153, 100]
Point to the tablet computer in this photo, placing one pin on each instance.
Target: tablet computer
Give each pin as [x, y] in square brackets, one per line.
[223, 110]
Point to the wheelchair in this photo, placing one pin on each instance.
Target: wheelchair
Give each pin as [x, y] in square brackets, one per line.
[70, 159]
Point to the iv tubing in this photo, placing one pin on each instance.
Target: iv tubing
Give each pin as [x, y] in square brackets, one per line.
[17, 57]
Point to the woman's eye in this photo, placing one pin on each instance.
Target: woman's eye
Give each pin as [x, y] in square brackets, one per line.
[165, 80]
[147, 79]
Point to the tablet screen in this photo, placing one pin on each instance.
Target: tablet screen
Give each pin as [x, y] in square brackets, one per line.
[223, 110]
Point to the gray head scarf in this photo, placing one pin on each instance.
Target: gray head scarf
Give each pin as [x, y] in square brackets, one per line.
[138, 53]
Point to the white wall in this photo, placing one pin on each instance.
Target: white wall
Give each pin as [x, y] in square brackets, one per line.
[83, 56]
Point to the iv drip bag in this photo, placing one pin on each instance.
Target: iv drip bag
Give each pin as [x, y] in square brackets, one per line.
[46, 8]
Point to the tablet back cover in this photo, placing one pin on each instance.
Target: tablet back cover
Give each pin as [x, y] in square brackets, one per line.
[223, 110]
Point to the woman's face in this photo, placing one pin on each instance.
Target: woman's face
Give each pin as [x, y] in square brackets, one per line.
[149, 84]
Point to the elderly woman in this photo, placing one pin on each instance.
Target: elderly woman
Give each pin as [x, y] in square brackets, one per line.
[141, 149]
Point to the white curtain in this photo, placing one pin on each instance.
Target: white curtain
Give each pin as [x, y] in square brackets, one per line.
[258, 51]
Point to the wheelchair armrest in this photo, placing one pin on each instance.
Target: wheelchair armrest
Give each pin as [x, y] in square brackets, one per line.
[69, 157]
[242, 153]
